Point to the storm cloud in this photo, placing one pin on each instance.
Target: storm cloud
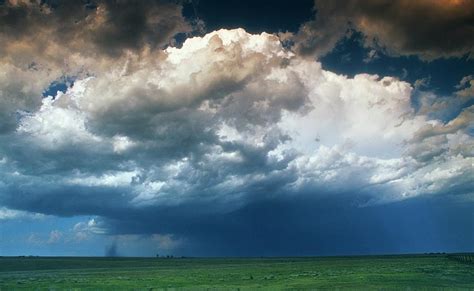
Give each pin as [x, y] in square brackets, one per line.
[193, 133]
[428, 29]
[89, 27]
[227, 135]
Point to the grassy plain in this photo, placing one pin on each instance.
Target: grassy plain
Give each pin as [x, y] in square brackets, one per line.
[426, 272]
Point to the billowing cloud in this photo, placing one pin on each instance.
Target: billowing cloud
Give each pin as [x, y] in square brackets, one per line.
[428, 29]
[45, 41]
[179, 137]
[20, 92]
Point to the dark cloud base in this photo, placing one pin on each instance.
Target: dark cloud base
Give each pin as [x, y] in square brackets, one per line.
[306, 227]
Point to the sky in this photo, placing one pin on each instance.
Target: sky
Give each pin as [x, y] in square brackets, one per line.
[236, 128]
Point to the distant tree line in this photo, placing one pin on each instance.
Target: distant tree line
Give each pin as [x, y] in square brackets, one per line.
[462, 257]
[170, 257]
[165, 257]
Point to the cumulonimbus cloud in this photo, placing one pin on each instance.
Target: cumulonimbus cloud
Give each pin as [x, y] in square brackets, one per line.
[153, 138]
[227, 119]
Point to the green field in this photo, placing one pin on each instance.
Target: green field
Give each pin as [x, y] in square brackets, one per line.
[371, 272]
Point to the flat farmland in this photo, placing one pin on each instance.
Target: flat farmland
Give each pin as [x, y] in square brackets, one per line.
[366, 272]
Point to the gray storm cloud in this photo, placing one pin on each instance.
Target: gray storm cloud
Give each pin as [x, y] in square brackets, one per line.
[428, 29]
[88, 27]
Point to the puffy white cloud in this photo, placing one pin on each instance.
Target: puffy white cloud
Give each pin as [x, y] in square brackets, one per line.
[20, 91]
[356, 110]
[84, 230]
[54, 127]
[54, 236]
[11, 214]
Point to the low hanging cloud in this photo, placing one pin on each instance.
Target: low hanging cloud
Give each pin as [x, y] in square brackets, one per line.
[225, 123]
[7, 214]
[428, 29]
